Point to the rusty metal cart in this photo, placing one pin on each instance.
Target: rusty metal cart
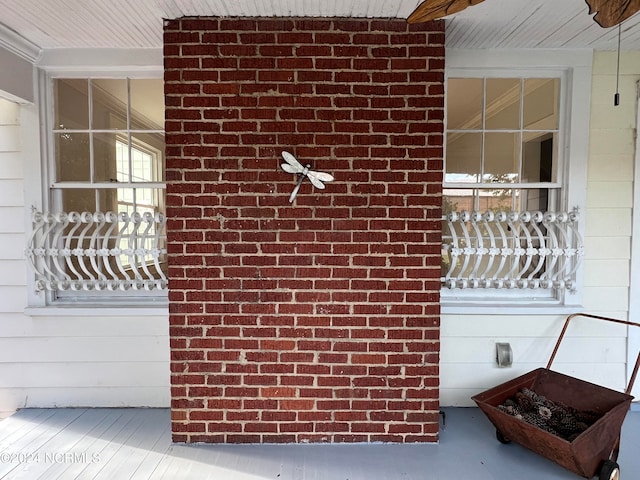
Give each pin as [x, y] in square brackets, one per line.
[594, 451]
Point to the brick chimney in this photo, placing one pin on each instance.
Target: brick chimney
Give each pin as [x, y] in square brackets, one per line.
[316, 321]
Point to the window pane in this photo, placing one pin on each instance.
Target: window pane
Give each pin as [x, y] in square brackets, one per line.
[496, 200]
[111, 199]
[537, 199]
[72, 102]
[147, 104]
[149, 148]
[140, 162]
[539, 157]
[79, 200]
[122, 161]
[109, 104]
[464, 103]
[72, 157]
[104, 154]
[501, 157]
[464, 157]
[141, 166]
[541, 97]
[503, 104]
[458, 199]
[141, 200]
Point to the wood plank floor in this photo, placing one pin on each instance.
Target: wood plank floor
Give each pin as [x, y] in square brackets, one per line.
[122, 444]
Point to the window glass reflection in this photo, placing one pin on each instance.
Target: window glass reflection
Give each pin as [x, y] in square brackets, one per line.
[502, 110]
[464, 103]
[501, 158]
[541, 98]
[464, 157]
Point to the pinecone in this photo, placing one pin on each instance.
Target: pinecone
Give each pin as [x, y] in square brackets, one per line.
[568, 425]
[544, 412]
[510, 403]
[556, 418]
[525, 402]
[539, 422]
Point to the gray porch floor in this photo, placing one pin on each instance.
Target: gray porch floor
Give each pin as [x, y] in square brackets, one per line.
[120, 444]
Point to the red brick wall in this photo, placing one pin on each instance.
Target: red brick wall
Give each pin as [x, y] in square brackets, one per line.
[317, 321]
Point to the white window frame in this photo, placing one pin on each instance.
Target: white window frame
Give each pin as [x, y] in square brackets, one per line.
[573, 67]
[135, 64]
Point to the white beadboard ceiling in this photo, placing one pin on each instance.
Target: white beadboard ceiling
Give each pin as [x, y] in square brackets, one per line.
[61, 24]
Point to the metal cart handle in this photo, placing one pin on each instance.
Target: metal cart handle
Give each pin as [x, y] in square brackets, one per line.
[623, 322]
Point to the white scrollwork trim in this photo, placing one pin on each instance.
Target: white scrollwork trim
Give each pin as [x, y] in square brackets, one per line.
[535, 250]
[98, 251]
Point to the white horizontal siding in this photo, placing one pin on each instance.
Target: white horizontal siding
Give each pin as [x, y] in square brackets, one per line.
[617, 248]
[81, 374]
[537, 350]
[9, 113]
[613, 272]
[609, 194]
[466, 382]
[608, 222]
[9, 138]
[18, 326]
[11, 165]
[611, 176]
[77, 350]
[84, 361]
[82, 396]
[11, 219]
[611, 141]
[12, 246]
[13, 272]
[591, 350]
[604, 114]
[11, 193]
[464, 379]
[602, 298]
[13, 295]
[613, 167]
[13, 298]
[531, 326]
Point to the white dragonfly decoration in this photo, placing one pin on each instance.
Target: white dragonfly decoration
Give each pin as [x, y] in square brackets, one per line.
[295, 167]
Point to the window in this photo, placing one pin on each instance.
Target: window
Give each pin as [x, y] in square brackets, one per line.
[511, 230]
[105, 190]
[502, 144]
[108, 142]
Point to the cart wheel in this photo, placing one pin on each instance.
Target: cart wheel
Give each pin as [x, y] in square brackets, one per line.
[501, 438]
[610, 470]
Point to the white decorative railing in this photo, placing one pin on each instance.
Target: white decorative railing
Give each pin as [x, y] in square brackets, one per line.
[511, 250]
[98, 251]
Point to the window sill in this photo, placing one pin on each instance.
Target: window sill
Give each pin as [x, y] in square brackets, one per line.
[97, 311]
[507, 309]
